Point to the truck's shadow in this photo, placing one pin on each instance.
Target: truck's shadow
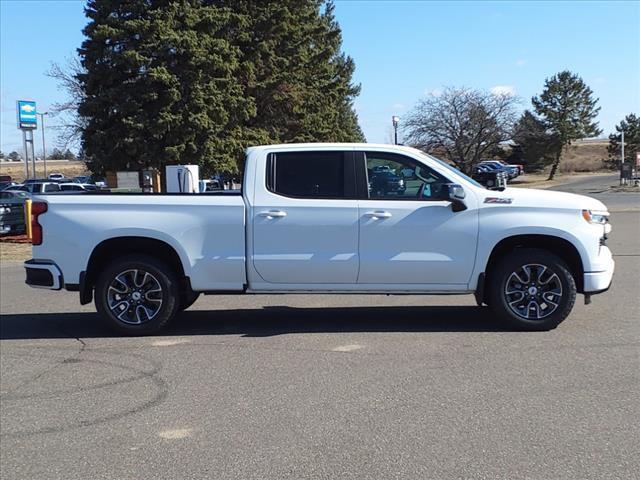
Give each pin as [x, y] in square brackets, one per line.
[266, 322]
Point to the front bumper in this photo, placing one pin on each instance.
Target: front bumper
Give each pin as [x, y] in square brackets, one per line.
[598, 282]
[43, 274]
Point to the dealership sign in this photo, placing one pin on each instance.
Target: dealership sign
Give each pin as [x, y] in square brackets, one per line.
[27, 119]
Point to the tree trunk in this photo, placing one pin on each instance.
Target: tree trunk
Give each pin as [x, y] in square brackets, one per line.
[554, 167]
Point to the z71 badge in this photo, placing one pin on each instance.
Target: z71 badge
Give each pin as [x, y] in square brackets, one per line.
[497, 200]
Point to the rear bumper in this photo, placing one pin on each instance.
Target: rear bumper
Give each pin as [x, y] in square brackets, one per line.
[43, 274]
[598, 282]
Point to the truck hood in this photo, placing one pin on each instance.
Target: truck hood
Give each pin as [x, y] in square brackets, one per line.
[529, 197]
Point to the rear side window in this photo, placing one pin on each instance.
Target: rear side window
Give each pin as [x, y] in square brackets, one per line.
[51, 187]
[319, 175]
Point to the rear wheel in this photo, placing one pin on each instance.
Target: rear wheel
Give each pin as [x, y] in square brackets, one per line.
[137, 295]
[532, 289]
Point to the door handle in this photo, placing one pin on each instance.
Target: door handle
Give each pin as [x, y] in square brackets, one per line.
[273, 214]
[378, 214]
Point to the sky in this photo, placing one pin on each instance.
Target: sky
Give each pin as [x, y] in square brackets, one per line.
[403, 50]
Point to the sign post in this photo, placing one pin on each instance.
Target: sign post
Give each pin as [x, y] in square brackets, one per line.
[27, 122]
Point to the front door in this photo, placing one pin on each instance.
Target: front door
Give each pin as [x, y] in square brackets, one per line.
[408, 235]
[305, 222]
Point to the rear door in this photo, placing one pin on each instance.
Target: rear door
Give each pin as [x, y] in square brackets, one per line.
[305, 219]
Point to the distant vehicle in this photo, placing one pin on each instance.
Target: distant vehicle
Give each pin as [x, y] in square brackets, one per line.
[56, 176]
[516, 165]
[82, 179]
[383, 181]
[492, 179]
[512, 171]
[7, 185]
[14, 195]
[212, 185]
[72, 187]
[39, 187]
[12, 212]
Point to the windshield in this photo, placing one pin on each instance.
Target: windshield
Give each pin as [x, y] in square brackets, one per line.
[455, 170]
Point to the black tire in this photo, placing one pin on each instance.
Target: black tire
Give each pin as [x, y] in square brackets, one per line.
[187, 299]
[155, 293]
[542, 302]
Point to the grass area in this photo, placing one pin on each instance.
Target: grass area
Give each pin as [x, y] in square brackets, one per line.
[539, 180]
[68, 168]
[14, 252]
[584, 156]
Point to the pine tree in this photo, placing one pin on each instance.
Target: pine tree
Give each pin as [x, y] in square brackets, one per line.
[197, 81]
[294, 71]
[568, 109]
[534, 146]
[631, 128]
[160, 85]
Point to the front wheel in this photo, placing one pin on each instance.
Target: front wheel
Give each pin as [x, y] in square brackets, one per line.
[532, 289]
[137, 295]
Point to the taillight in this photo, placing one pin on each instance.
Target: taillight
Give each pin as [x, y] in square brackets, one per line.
[37, 208]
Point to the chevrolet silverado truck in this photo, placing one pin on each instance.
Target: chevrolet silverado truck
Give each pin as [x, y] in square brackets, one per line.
[307, 220]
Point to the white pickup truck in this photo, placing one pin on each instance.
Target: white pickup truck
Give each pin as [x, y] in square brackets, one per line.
[325, 218]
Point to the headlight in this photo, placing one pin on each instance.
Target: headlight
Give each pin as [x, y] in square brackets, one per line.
[596, 216]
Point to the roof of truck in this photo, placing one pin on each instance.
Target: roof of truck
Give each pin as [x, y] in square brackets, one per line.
[328, 145]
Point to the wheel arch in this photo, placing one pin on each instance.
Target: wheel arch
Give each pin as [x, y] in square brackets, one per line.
[558, 246]
[116, 247]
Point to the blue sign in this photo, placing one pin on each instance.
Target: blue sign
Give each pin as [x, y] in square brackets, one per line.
[27, 118]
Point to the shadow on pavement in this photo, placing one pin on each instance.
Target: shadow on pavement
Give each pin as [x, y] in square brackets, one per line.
[266, 322]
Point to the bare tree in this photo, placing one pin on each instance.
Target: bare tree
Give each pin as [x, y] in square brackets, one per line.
[461, 124]
[70, 124]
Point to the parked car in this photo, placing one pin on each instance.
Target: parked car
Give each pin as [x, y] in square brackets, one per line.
[14, 195]
[515, 165]
[38, 187]
[7, 185]
[56, 176]
[384, 181]
[12, 212]
[492, 179]
[512, 172]
[210, 185]
[305, 221]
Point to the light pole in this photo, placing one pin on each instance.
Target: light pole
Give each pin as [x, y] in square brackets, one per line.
[44, 151]
[395, 120]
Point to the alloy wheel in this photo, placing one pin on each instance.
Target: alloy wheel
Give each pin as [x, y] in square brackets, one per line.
[134, 296]
[533, 291]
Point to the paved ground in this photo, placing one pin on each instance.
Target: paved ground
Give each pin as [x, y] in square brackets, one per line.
[325, 387]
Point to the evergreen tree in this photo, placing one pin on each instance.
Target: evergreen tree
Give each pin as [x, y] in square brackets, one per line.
[294, 71]
[568, 109]
[534, 146]
[631, 128]
[160, 85]
[197, 81]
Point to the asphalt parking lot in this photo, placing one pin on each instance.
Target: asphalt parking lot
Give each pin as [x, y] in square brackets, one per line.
[296, 387]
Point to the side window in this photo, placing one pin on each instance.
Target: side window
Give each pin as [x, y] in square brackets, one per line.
[395, 177]
[51, 187]
[316, 175]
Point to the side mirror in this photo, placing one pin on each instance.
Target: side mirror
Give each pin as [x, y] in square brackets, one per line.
[455, 194]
